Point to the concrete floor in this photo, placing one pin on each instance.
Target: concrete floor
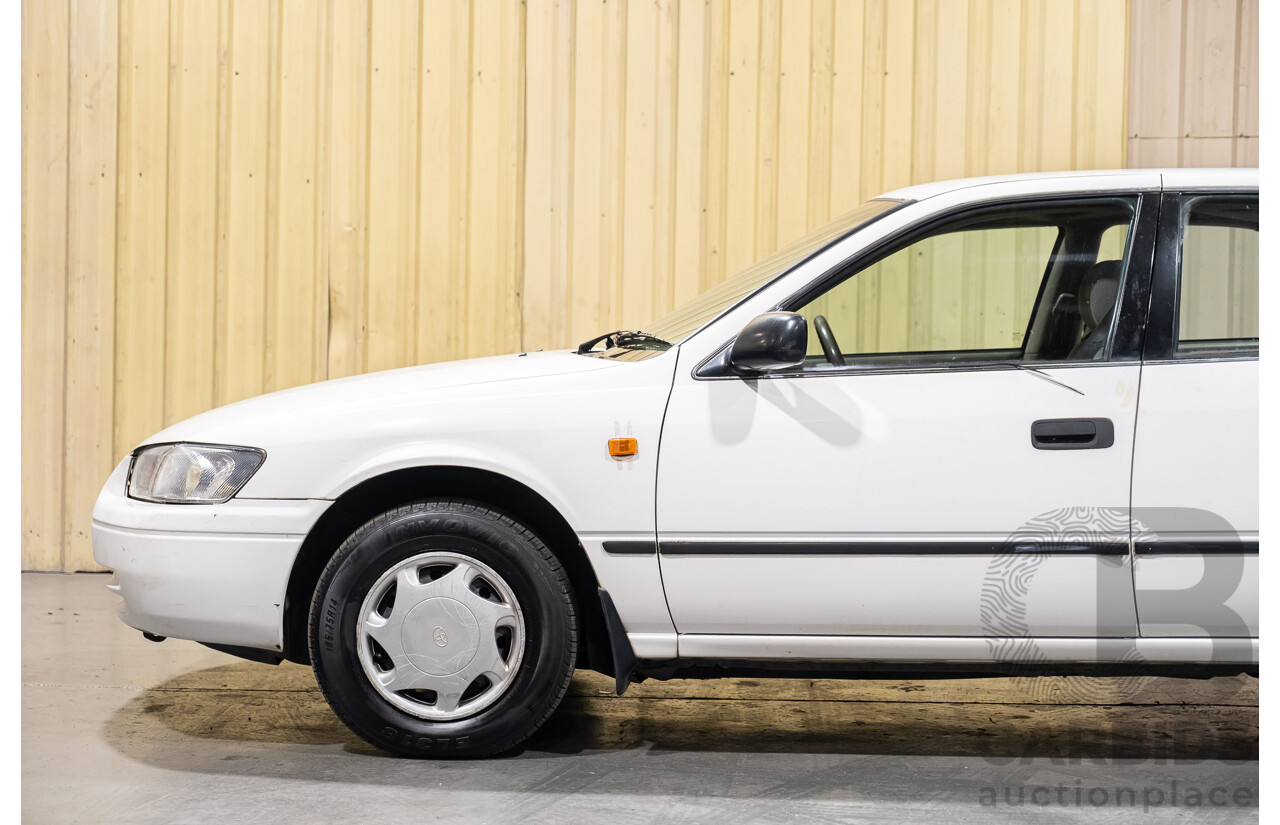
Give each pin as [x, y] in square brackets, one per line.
[118, 729]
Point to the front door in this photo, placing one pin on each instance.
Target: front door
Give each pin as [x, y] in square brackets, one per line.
[953, 458]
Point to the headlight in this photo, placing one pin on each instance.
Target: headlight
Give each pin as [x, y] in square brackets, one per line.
[191, 473]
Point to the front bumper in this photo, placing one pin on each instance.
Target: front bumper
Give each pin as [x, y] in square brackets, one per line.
[213, 573]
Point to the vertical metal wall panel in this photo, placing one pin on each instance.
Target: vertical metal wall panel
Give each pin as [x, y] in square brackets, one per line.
[243, 196]
[390, 273]
[141, 223]
[347, 65]
[443, 162]
[545, 179]
[240, 354]
[91, 214]
[191, 228]
[1194, 102]
[1193, 86]
[45, 90]
[294, 311]
[689, 215]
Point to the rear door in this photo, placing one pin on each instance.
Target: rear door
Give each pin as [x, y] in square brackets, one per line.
[1195, 467]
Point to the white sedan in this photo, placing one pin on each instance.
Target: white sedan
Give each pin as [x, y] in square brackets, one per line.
[1000, 425]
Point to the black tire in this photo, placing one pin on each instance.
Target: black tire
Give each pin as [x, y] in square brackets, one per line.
[468, 529]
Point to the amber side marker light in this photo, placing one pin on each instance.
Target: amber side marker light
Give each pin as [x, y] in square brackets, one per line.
[623, 447]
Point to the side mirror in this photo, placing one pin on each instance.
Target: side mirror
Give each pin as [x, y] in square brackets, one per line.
[773, 341]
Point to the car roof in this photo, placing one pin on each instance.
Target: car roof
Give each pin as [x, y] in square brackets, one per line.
[1171, 178]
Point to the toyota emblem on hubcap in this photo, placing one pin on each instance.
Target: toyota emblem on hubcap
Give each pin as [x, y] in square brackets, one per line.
[439, 635]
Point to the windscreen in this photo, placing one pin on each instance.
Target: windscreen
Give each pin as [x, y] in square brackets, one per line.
[677, 326]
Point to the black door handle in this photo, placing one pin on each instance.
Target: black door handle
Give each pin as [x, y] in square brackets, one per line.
[1073, 434]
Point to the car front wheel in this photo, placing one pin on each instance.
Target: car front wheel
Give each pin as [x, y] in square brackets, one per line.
[443, 628]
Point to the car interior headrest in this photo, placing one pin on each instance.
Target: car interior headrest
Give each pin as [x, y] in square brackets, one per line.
[1098, 291]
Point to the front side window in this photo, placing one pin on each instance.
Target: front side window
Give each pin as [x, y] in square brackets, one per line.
[1025, 282]
[1218, 283]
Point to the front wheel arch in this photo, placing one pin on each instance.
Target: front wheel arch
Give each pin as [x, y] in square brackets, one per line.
[399, 487]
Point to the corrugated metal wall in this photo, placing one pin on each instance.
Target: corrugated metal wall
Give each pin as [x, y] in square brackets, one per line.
[226, 198]
[1193, 98]
[1193, 101]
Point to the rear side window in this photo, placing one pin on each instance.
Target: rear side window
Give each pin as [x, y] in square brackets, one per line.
[1218, 277]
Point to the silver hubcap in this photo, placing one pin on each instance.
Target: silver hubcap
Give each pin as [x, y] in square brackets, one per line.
[440, 636]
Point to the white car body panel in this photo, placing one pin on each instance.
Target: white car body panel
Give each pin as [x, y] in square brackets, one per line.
[885, 595]
[217, 573]
[531, 418]
[1203, 489]
[211, 573]
[223, 588]
[873, 459]
[965, 649]
[1224, 178]
[1179, 576]
[1033, 183]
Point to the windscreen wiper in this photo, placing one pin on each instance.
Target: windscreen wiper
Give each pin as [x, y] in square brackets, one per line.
[1037, 373]
[626, 338]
